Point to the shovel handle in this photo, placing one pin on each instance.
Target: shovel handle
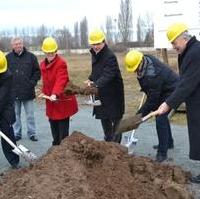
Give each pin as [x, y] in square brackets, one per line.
[7, 139]
[154, 113]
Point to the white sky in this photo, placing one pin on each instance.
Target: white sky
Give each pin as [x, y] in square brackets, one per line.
[59, 13]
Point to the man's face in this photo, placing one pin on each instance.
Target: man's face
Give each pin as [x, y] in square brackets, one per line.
[179, 44]
[98, 47]
[17, 46]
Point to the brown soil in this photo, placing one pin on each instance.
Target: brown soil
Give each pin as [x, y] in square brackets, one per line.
[72, 89]
[87, 169]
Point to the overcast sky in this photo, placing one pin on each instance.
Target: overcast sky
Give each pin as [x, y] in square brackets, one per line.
[59, 13]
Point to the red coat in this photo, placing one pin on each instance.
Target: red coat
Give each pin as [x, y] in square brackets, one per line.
[55, 77]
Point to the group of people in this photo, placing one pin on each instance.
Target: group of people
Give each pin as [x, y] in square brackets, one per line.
[165, 90]
[19, 74]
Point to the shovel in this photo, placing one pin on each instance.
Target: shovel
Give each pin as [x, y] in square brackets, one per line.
[131, 140]
[92, 101]
[48, 97]
[20, 150]
[131, 123]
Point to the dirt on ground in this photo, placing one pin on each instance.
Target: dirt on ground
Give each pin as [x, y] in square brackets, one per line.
[84, 168]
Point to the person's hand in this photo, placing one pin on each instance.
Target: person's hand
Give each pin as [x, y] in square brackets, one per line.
[53, 98]
[41, 95]
[163, 108]
[88, 82]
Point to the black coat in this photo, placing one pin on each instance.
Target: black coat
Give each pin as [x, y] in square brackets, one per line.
[158, 82]
[7, 111]
[188, 91]
[107, 76]
[26, 73]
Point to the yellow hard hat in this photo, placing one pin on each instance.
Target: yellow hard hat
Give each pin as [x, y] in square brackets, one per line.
[96, 37]
[175, 30]
[3, 62]
[132, 60]
[49, 45]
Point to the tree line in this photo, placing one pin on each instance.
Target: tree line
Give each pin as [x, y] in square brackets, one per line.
[119, 32]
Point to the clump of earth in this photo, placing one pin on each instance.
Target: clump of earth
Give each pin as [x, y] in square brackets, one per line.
[83, 168]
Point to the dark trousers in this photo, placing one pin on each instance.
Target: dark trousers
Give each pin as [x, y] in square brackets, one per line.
[7, 129]
[59, 130]
[109, 128]
[164, 133]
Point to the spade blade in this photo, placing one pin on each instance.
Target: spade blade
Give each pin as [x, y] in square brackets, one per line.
[129, 123]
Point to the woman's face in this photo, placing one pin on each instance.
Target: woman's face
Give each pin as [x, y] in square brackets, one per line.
[50, 56]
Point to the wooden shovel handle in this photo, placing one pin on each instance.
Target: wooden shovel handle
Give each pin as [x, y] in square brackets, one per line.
[154, 113]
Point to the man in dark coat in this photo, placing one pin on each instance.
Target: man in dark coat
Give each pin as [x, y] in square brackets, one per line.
[25, 68]
[7, 114]
[188, 90]
[106, 78]
[157, 81]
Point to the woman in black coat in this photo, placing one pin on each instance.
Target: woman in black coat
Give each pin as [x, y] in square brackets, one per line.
[107, 79]
[7, 114]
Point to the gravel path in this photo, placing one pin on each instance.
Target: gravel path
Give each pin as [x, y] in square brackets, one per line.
[85, 123]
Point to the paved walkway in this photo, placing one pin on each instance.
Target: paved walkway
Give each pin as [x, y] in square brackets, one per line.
[85, 123]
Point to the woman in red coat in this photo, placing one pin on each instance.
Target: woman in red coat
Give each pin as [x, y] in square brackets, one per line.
[55, 77]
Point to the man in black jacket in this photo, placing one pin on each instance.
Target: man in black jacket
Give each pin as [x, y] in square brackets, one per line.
[188, 90]
[7, 114]
[157, 81]
[106, 78]
[26, 73]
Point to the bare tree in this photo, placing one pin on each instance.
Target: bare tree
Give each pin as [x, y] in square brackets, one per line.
[84, 33]
[149, 38]
[140, 30]
[42, 32]
[145, 30]
[64, 38]
[76, 36]
[109, 30]
[125, 21]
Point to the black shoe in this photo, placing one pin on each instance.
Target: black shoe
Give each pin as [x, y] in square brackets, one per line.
[160, 157]
[195, 179]
[15, 166]
[171, 146]
[33, 138]
[155, 146]
[17, 137]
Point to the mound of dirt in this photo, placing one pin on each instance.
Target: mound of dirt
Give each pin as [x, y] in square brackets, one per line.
[87, 169]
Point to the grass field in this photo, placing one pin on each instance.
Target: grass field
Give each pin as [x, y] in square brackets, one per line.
[79, 67]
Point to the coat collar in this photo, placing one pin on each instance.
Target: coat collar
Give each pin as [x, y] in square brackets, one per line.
[99, 54]
[50, 64]
[21, 54]
[188, 45]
